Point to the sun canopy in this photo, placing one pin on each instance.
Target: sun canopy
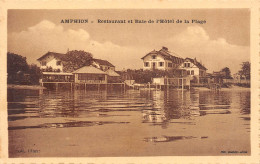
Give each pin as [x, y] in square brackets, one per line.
[89, 70]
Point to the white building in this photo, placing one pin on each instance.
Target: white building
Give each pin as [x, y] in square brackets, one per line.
[193, 68]
[161, 60]
[51, 60]
[52, 65]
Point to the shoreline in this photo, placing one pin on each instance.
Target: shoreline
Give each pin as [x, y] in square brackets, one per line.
[32, 87]
[37, 87]
[235, 88]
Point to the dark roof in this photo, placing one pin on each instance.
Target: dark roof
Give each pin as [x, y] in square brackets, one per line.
[166, 55]
[195, 62]
[58, 55]
[103, 62]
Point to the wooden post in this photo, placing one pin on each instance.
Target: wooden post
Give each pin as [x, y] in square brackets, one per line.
[182, 82]
[71, 86]
[168, 83]
[182, 88]
[149, 85]
[57, 85]
[85, 86]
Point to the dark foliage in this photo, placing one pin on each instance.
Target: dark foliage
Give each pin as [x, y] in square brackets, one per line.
[74, 60]
[19, 72]
[227, 73]
[245, 70]
[35, 73]
[16, 63]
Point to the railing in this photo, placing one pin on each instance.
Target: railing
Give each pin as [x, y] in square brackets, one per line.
[91, 81]
[57, 80]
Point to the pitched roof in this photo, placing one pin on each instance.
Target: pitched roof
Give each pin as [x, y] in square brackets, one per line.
[111, 73]
[166, 55]
[103, 62]
[58, 55]
[89, 70]
[195, 62]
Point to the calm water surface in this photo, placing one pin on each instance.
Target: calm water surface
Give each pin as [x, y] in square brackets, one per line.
[128, 123]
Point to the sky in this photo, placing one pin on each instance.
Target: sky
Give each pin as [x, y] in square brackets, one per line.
[223, 40]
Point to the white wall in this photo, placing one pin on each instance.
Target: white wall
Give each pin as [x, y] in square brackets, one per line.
[157, 60]
[51, 61]
[191, 68]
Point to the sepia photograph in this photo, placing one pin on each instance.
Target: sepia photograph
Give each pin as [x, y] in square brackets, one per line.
[128, 82]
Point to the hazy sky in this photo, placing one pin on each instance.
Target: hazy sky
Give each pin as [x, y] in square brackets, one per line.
[222, 41]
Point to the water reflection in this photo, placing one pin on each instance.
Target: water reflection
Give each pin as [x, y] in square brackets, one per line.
[174, 104]
[68, 124]
[156, 107]
[167, 138]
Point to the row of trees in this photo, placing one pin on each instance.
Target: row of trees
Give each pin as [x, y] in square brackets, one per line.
[244, 72]
[20, 72]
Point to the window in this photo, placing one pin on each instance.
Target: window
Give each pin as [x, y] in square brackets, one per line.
[201, 73]
[192, 72]
[154, 56]
[44, 63]
[146, 64]
[161, 64]
[186, 64]
[188, 72]
[58, 63]
[169, 64]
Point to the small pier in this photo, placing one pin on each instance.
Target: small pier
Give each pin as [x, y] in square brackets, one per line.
[165, 83]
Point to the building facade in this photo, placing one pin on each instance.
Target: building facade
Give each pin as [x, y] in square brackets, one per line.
[103, 65]
[161, 60]
[51, 62]
[193, 68]
[52, 66]
[90, 75]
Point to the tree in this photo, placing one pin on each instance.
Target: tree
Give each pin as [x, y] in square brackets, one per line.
[19, 72]
[227, 73]
[245, 70]
[16, 63]
[16, 68]
[74, 60]
[35, 73]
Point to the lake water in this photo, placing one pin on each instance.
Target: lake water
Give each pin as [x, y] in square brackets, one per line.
[128, 123]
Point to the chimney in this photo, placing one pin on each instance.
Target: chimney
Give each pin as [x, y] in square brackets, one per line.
[165, 48]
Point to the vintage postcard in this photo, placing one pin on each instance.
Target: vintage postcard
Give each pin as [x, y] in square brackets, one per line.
[133, 82]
